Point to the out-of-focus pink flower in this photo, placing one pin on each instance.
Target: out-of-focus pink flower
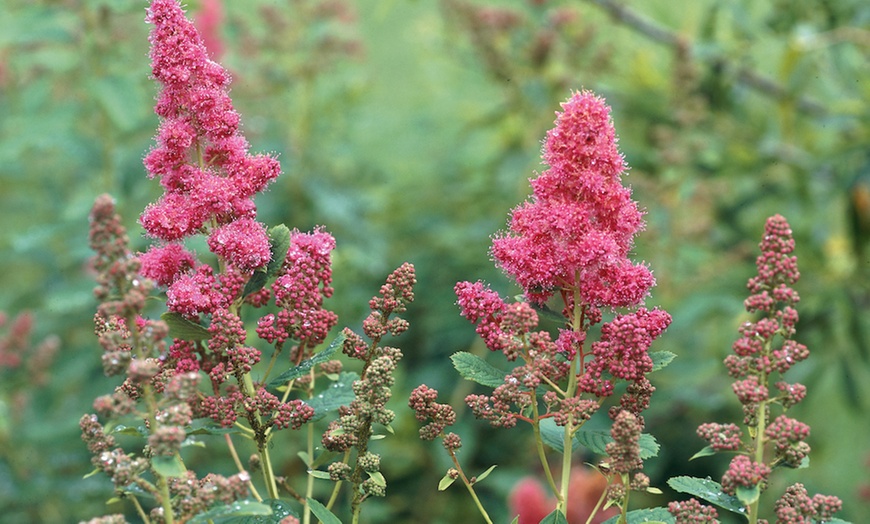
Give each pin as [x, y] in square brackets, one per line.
[530, 501]
[579, 227]
[208, 21]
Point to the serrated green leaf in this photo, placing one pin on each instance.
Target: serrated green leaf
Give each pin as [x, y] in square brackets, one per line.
[748, 496]
[168, 466]
[445, 482]
[474, 368]
[649, 446]
[556, 517]
[324, 515]
[661, 359]
[305, 366]
[706, 452]
[709, 490]
[646, 516]
[316, 473]
[486, 473]
[337, 394]
[184, 329]
[553, 435]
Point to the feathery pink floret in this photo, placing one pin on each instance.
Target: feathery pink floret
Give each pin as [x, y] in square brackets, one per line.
[164, 264]
[579, 226]
[244, 243]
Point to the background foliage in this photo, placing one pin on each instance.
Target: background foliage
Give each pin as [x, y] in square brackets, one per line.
[409, 130]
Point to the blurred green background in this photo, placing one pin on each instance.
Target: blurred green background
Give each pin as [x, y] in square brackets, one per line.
[409, 130]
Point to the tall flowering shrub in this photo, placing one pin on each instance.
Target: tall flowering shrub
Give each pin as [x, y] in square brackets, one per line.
[770, 439]
[210, 377]
[571, 241]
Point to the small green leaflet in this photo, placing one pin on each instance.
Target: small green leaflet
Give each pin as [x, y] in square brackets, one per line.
[485, 473]
[661, 359]
[474, 368]
[556, 517]
[706, 452]
[184, 329]
[646, 516]
[324, 515]
[748, 495]
[168, 466]
[445, 482]
[305, 366]
[709, 490]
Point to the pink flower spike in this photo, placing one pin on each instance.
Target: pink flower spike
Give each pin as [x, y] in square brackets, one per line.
[578, 229]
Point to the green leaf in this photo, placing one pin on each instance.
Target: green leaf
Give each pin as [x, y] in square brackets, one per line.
[556, 517]
[661, 359]
[207, 426]
[516, 520]
[256, 282]
[279, 242]
[445, 482]
[748, 496]
[337, 394]
[709, 490]
[553, 435]
[486, 473]
[378, 477]
[474, 368]
[646, 516]
[706, 452]
[184, 329]
[596, 441]
[305, 366]
[270, 511]
[316, 473]
[168, 466]
[324, 515]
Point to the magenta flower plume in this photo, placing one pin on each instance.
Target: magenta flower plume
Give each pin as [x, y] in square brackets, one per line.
[579, 227]
[201, 159]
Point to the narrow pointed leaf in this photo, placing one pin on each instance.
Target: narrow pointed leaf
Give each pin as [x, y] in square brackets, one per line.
[706, 452]
[323, 515]
[445, 482]
[305, 366]
[486, 473]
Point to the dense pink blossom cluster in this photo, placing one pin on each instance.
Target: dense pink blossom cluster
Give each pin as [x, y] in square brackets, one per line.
[722, 437]
[203, 163]
[744, 472]
[437, 416]
[304, 281]
[579, 227]
[622, 351]
[693, 512]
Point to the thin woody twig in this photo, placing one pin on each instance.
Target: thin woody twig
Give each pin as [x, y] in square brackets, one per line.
[744, 75]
